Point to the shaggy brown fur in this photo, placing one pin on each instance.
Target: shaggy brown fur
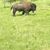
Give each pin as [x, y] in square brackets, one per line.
[24, 7]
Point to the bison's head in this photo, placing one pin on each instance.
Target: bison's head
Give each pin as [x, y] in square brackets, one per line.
[33, 7]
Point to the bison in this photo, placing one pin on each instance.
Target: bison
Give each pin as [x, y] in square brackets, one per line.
[24, 7]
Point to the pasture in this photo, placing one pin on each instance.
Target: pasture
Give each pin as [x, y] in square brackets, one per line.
[31, 32]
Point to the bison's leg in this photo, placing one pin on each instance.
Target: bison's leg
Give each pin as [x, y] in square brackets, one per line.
[23, 12]
[14, 11]
[26, 12]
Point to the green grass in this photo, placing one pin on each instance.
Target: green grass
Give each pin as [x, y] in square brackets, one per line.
[31, 32]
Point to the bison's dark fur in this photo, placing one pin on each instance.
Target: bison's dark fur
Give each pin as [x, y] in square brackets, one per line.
[24, 7]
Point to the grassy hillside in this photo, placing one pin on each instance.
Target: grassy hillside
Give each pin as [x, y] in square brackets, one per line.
[31, 32]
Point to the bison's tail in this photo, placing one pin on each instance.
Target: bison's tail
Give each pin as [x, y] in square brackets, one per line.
[11, 7]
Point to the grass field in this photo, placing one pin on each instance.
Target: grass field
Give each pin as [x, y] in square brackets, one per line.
[31, 32]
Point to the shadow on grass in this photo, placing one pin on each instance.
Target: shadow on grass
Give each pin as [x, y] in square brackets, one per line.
[17, 15]
[24, 15]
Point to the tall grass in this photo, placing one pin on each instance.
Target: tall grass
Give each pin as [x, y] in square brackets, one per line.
[31, 32]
